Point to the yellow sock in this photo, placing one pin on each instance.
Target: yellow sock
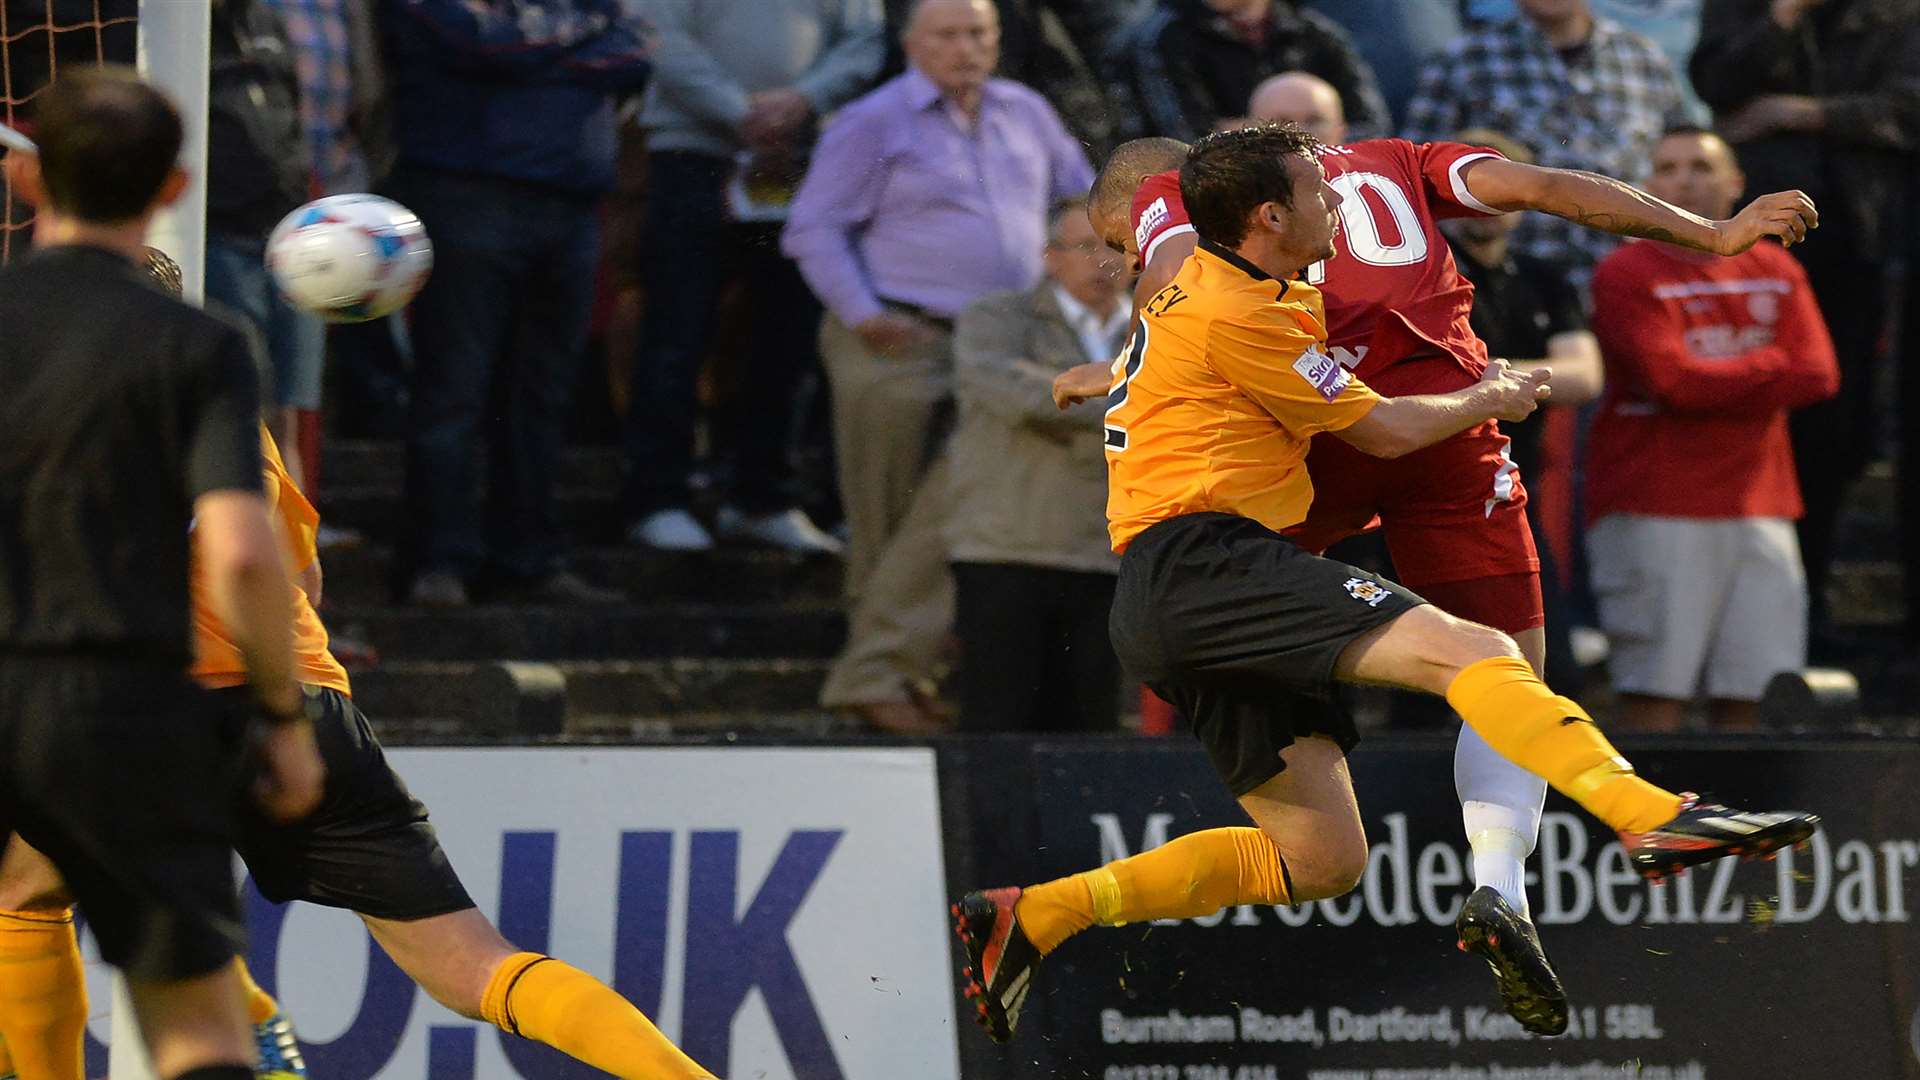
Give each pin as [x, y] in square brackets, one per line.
[1196, 874]
[260, 1005]
[1554, 738]
[540, 998]
[43, 995]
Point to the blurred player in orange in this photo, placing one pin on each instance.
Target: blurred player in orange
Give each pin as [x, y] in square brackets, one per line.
[1226, 380]
[369, 849]
[1454, 517]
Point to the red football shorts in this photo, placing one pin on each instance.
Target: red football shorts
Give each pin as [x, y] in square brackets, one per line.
[1454, 516]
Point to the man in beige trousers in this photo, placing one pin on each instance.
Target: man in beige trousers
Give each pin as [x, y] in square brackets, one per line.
[923, 195]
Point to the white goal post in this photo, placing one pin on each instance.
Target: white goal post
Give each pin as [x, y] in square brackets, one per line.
[174, 42]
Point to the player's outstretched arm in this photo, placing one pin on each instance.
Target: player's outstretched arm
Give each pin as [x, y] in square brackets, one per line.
[1399, 426]
[1082, 382]
[1611, 206]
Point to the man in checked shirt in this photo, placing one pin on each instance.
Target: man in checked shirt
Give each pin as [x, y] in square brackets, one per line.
[1589, 93]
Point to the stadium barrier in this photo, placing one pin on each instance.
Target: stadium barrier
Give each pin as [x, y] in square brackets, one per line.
[782, 910]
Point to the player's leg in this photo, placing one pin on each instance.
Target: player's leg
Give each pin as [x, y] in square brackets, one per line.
[277, 1048]
[195, 1028]
[1454, 518]
[128, 790]
[1207, 613]
[1307, 843]
[1457, 526]
[1483, 675]
[1456, 522]
[1500, 803]
[371, 849]
[1484, 678]
[43, 988]
[464, 963]
[1500, 807]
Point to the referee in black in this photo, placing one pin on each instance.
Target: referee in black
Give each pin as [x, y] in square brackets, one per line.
[127, 419]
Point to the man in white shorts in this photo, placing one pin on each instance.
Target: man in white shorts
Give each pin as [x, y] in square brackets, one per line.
[1691, 490]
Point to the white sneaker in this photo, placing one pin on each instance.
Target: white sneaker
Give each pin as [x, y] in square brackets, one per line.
[670, 530]
[789, 530]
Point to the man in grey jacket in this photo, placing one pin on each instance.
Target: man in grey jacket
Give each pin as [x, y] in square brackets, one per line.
[1032, 566]
[731, 115]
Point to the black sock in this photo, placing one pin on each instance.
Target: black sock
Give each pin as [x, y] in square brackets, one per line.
[218, 1072]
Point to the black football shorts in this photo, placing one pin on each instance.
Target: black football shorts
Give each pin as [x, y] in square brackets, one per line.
[123, 772]
[1240, 629]
[369, 848]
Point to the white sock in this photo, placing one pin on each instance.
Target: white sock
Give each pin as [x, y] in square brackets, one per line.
[1500, 806]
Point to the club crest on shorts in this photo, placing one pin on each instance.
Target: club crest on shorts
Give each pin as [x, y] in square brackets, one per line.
[1367, 592]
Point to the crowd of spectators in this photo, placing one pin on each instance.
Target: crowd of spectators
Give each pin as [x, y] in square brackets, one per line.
[872, 200]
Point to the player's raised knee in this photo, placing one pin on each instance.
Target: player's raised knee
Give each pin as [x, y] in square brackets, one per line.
[1423, 649]
[1450, 644]
[1330, 867]
[1478, 642]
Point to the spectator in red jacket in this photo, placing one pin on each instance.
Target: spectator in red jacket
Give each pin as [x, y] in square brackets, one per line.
[1691, 489]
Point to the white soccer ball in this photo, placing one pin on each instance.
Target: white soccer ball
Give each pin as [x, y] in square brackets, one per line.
[350, 258]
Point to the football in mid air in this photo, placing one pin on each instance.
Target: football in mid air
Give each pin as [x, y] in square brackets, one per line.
[350, 258]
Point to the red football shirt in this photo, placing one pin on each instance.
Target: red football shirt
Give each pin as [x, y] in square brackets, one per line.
[1705, 356]
[1392, 291]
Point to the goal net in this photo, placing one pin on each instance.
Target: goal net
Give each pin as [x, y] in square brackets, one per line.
[168, 39]
[38, 39]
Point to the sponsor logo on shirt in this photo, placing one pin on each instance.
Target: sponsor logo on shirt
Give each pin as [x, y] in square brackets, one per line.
[1764, 307]
[1722, 340]
[1370, 593]
[1323, 371]
[1151, 218]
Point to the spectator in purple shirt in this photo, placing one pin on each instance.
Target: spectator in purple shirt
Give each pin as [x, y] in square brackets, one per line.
[923, 195]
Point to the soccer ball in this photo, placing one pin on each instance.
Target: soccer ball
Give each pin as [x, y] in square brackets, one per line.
[350, 258]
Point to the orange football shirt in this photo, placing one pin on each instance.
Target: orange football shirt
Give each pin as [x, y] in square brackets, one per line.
[1225, 382]
[217, 661]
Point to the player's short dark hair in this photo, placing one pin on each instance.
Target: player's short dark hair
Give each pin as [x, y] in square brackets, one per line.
[1130, 163]
[107, 143]
[1228, 175]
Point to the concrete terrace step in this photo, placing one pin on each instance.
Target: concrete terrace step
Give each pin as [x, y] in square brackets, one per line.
[620, 632]
[367, 463]
[729, 575]
[668, 687]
